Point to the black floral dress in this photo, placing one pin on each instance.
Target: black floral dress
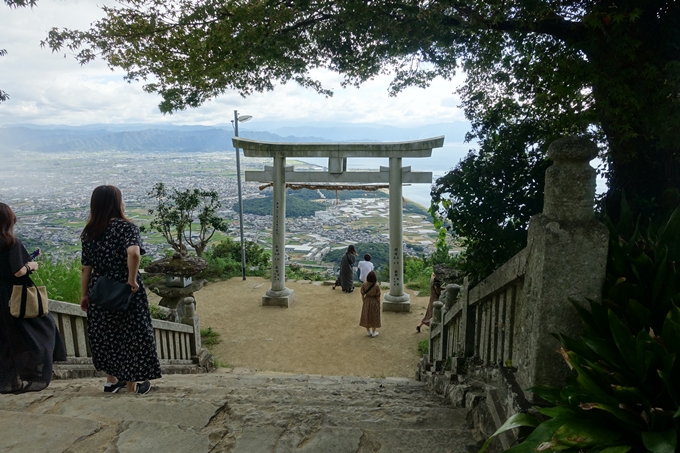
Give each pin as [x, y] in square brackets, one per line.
[122, 343]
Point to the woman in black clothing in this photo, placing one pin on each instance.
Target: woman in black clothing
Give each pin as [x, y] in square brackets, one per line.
[347, 269]
[27, 346]
[122, 343]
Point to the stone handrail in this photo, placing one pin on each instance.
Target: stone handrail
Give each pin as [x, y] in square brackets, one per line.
[508, 318]
[176, 344]
[480, 323]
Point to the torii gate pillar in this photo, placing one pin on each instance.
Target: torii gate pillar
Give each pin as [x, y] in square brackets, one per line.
[278, 295]
[396, 299]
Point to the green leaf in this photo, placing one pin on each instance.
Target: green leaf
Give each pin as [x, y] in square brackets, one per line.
[580, 347]
[671, 333]
[625, 342]
[543, 433]
[605, 351]
[674, 314]
[586, 316]
[640, 312]
[660, 442]
[670, 386]
[632, 396]
[621, 292]
[634, 423]
[584, 434]
[590, 386]
[660, 277]
[669, 233]
[556, 411]
[550, 394]
[516, 421]
[619, 449]
[600, 315]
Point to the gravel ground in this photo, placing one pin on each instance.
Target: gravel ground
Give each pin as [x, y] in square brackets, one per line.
[318, 334]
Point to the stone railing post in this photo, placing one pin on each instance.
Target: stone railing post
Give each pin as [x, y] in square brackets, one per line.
[186, 314]
[566, 259]
[467, 322]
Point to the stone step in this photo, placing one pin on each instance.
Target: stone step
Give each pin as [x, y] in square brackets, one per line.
[236, 411]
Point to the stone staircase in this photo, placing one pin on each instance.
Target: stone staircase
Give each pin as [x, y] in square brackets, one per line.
[236, 411]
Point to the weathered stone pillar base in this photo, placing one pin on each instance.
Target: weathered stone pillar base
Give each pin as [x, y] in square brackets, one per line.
[400, 304]
[282, 298]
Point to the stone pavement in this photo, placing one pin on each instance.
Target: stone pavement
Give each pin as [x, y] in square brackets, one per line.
[236, 411]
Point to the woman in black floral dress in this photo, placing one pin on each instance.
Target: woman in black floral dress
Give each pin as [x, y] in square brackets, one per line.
[122, 343]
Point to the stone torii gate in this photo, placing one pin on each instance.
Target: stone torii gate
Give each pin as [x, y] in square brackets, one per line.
[337, 154]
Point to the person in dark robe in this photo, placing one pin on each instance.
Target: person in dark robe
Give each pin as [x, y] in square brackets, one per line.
[435, 292]
[347, 269]
[28, 347]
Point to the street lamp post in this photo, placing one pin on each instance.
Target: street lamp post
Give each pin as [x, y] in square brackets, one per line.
[242, 119]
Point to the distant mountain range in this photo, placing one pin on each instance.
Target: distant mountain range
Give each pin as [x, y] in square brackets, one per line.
[178, 138]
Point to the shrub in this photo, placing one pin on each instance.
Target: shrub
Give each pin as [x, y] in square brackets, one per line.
[256, 256]
[145, 261]
[62, 279]
[224, 259]
[423, 347]
[297, 272]
[209, 338]
[417, 274]
[157, 312]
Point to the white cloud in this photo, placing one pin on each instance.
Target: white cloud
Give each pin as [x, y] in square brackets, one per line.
[47, 88]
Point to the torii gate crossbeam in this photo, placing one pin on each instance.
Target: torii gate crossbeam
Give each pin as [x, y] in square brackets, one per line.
[337, 154]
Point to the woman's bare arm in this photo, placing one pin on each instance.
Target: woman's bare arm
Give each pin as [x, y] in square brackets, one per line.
[32, 265]
[85, 275]
[134, 257]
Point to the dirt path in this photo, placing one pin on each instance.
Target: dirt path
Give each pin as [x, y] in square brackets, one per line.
[319, 334]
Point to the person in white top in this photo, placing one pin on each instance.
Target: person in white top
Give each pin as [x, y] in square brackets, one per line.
[365, 267]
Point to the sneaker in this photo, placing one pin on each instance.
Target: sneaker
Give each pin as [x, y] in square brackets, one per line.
[376, 333]
[113, 388]
[370, 334]
[143, 388]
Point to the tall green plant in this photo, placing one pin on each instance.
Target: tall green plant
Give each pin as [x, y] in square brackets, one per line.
[62, 279]
[626, 393]
[224, 259]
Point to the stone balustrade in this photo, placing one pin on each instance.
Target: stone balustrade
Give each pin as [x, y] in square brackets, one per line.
[505, 324]
[178, 344]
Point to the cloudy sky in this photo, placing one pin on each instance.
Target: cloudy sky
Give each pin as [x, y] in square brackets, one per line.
[47, 88]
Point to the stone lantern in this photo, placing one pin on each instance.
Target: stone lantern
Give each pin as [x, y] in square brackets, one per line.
[177, 296]
[179, 284]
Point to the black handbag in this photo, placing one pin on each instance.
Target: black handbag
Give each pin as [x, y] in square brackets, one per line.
[110, 295]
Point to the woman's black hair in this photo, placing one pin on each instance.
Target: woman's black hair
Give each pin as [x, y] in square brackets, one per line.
[106, 204]
[7, 221]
